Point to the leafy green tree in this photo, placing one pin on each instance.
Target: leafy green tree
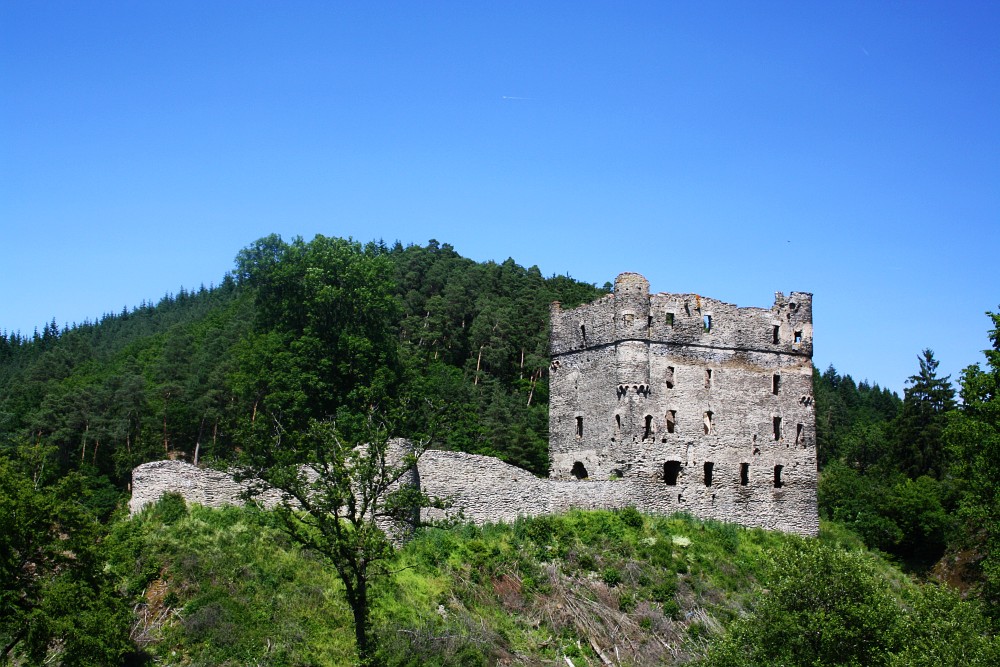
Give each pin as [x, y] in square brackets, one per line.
[919, 427]
[339, 497]
[973, 436]
[56, 602]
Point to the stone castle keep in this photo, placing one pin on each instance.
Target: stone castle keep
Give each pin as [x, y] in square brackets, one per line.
[666, 402]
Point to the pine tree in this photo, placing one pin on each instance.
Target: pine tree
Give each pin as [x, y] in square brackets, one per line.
[919, 426]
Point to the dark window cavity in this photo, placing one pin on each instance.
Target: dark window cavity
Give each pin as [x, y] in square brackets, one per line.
[777, 476]
[776, 423]
[671, 469]
[798, 336]
[774, 334]
[671, 420]
[579, 471]
[708, 472]
[648, 430]
[579, 427]
[670, 377]
[744, 474]
[708, 378]
[775, 383]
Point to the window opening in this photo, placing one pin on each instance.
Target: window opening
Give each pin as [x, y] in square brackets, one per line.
[798, 433]
[671, 420]
[708, 323]
[618, 422]
[708, 378]
[671, 469]
[709, 427]
[583, 332]
[774, 334]
[777, 476]
[649, 322]
[670, 377]
[579, 427]
[708, 472]
[775, 383]
[648, 431]
[798, 336]
[579, 471]
[776, 423]
[670, 319]
[744, 474]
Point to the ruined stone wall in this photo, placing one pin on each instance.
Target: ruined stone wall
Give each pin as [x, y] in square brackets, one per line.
[665, 402]
[705, 406]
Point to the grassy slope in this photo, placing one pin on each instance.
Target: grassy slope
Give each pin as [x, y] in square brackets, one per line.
[225, 587]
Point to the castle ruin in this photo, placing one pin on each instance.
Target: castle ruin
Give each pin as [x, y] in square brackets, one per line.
[665, 402]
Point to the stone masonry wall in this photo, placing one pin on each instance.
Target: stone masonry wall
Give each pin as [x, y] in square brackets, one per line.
[665, 402]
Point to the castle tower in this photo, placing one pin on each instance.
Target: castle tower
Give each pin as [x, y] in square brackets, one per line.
[698, 405]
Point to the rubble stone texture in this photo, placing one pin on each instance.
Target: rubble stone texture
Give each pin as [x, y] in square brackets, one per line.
[665, 402]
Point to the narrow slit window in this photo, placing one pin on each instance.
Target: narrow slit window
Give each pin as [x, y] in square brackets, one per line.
[670, 319]
[709, 426]
[798, 336]
[648, 430]
[687, 309]
[671, 469]
[618, 422]
[671, 420]
[744, 474]
[775, 384]
[708, 472]
[579, 427]
[649, 322]
[776, 424]
[775, 330]
[579, 471]
[799, 428]
[708, 378]
[777, 476]
[583, 332]
[707, 323]
[670, 377]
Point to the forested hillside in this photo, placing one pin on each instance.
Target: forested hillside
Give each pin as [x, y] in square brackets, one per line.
[440, 347]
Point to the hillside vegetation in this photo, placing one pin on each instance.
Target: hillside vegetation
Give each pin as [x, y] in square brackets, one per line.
[329, 331]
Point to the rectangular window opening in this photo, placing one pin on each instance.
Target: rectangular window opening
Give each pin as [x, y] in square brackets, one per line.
[777, 476]
[798, 336]
[670, 377]
[708, 323]
[671, 420]
[670, 319]
[709, 427]
[649, 322]
[776, 424]
[671, 469]
[744, 474]
[708, 472]
[774, 334]
[775, 383]
[708, 378]
[798, 433]
[648, 430]
[579, 427]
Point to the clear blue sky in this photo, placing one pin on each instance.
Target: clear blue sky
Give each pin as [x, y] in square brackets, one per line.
[731, 149]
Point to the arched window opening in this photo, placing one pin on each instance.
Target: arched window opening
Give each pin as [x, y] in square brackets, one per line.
[671, 469]
[648, 430]
[579, 471]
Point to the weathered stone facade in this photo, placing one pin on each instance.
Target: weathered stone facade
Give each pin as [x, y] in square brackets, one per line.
[666, 402]
[706, 406]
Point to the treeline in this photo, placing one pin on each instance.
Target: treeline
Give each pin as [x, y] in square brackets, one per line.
[915, 478]
[299, 330]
